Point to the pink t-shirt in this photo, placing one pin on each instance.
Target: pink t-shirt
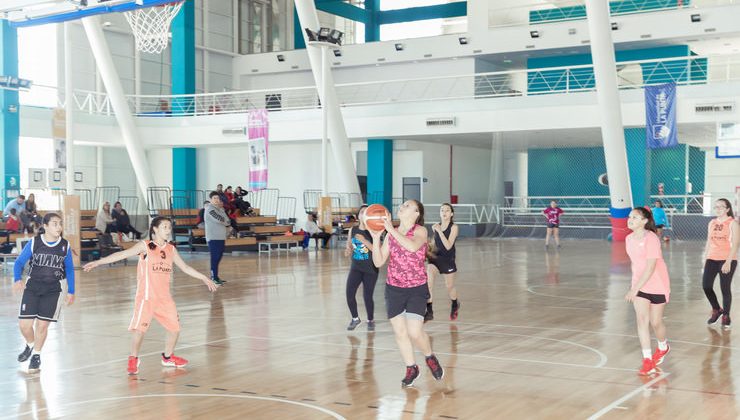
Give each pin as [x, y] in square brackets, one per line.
[642, 250]
[553, 215]
[406, 268]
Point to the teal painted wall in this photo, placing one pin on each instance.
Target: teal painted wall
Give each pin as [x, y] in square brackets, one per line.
[380, 172]
[184, 173]
[575, 171]
[9, 111]
[697, 174]
[639, 162]
[567, 171]
[184, 167]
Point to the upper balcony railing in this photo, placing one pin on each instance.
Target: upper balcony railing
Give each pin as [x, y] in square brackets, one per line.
[533, 12]
[692, 70]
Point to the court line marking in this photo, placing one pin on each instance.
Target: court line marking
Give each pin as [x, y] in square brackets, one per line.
[602, 357]
[627, 396]
[140, 356]
[583, 331]
[300, 340]
[529, 289]
[239, 396]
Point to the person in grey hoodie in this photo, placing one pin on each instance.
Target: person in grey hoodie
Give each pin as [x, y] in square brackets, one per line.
[217, 227]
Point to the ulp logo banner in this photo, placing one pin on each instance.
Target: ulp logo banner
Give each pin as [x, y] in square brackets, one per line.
[660, 109]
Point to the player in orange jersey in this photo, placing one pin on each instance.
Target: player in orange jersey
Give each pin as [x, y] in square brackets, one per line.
[153, 298]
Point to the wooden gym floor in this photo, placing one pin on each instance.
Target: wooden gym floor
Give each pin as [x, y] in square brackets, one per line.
[540, 335]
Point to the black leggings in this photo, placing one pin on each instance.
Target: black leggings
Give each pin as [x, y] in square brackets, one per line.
[711, 269]
[368, 281]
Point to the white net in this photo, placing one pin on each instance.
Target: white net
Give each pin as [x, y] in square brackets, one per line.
[151, 26]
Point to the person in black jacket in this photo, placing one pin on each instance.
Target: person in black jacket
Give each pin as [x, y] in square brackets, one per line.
[123, 222]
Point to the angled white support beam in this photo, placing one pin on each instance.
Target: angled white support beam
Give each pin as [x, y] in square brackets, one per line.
[118, 102]
[336, 130]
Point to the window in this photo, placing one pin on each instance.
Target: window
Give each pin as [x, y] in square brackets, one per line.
[38, 64]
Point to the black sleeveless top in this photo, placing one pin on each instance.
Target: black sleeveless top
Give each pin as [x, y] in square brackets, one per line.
[440, 250]
[362, 256]
[47, 262]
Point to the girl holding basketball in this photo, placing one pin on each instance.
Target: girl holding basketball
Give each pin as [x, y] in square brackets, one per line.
[406, 291]
[650, 286]
[153, 299]
[442, 260]
[362, 272]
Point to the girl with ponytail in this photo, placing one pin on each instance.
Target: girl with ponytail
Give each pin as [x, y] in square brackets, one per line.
[650, 286]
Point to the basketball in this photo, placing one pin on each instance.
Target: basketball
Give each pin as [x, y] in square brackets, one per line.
[374, 216]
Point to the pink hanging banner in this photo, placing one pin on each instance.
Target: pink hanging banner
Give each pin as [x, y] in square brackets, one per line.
[258, 130]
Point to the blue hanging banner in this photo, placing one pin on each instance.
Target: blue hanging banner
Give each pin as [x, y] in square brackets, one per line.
[660, 110]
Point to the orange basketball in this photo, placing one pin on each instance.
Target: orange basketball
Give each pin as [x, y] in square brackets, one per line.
[374, 216]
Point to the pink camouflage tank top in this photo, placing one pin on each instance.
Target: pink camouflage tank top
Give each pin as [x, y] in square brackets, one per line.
[405, 268]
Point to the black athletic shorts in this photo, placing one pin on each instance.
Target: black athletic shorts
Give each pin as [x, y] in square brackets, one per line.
[659, 226]
[553, 225]
[445, 265]
[654, 299]
[41, 300]
[412, 300]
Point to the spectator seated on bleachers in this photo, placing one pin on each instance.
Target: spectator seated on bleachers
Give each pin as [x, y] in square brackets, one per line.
[313, 230]
[123, 222]
[29, 216]
[18, 204]
[244, 206]
[201, 222]
[104, 221]
[13, 224]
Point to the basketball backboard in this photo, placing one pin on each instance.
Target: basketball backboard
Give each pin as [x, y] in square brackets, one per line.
[39, 12]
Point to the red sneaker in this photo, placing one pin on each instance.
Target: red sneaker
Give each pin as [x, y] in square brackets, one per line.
[648, 367]
[174, 361]
[133, 365]
[659, 355]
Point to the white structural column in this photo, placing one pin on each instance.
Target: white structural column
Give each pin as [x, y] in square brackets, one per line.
[496, 179]
[68, 110]
[522, 170]
[324, 122]
[346, 177]
[99, 168]
[118, 102]
[612, 130]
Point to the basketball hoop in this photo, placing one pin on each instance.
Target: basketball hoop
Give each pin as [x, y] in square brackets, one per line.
[151, 26]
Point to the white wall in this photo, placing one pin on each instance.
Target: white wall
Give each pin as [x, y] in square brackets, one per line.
[391, 71]
[722, 175]
[470, 169]
[223, 165]
[407, 163]
[160, 164]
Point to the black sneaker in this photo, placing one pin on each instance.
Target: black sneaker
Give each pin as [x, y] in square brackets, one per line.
[218, 281]
[371, 325]
[35, 364]
[412, 372]
[454, 310]
[353, 323]
[25, 354]
[429, 315]
[435, 367]
[726, 321]
[715, 316]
